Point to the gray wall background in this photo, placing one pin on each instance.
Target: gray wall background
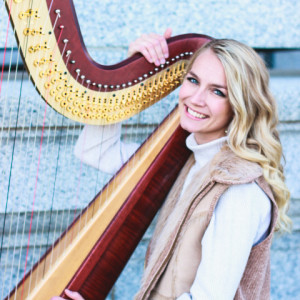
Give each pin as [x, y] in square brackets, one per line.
[108, 27]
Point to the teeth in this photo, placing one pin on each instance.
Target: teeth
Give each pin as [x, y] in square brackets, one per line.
[195, 114]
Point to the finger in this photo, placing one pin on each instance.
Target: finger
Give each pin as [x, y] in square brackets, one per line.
[147, 54]
[164, 44]
[73, 295]
[168, 33]
[159, 48]
[144, 46]
[152, 45]
[136, 46]
[140, 47]
[164, 48]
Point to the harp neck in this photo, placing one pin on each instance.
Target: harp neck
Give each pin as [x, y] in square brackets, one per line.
[75, 85]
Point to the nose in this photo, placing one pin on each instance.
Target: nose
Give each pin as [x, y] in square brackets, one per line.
[199, 97]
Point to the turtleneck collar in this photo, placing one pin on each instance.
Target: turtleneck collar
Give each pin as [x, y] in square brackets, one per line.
[205, 152]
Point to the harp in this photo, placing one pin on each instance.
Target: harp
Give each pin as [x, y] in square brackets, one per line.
[92, 250]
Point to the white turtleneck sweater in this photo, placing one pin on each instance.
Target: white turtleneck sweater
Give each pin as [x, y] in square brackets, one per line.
[240, 220]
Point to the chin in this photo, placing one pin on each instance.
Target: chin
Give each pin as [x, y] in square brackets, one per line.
[187, 127]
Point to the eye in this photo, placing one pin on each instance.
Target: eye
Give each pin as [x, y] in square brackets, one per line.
[219, 93]
[192, 80]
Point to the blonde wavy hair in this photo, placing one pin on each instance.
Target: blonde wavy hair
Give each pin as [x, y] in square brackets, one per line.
[252, 133]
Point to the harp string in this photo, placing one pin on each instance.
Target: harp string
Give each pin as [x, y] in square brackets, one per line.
[57, 163]
[2, 130]
[31, 165]
[2, 72]
[53, 191]
[78, 189]
[22, 81]
[11, 163]
[56, 171]
[112, 179]
[36, 178]
[78, 185]
[7, 29]
[98, 176]
[27, 147]
[15, 130]
[55, 178]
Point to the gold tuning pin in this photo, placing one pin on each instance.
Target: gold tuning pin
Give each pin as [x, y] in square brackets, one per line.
[28, 13]
[33, 32]
[33, 49]
[46, 73]
[43, 61]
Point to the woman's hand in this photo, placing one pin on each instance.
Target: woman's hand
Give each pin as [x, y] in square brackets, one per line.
[153, 46]
[70, 294]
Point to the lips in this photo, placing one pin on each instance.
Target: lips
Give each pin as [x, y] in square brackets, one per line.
[194, 114]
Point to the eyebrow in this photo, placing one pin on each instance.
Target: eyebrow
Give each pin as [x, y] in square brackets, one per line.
[213, 84]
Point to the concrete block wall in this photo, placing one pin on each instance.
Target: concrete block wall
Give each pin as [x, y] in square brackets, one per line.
[108, 27]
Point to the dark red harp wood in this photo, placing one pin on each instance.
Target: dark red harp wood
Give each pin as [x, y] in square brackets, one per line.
[100, 270]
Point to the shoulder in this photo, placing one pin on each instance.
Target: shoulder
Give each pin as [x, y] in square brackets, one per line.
[247, 205]
[247, 196]
[228, 168]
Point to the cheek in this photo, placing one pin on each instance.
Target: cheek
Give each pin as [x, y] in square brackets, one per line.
[181, 96]
[181, 93]
[185, 90]
[228, 114]
[180, 106]
[224, 112]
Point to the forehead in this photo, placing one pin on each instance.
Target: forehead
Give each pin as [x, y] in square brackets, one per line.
[208, 66]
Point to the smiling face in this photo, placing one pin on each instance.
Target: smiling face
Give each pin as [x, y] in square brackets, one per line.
[203, 99]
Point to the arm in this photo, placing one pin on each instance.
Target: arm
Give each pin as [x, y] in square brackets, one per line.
[100, 146]
[240, 220]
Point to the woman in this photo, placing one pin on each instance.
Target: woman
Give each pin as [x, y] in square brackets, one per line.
[213, 235]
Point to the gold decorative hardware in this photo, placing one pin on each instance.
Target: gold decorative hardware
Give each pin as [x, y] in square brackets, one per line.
[33, 32]
[43, 61]
[28, 13]
[33, 49]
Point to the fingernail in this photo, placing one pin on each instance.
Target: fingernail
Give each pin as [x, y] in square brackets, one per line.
[166, 55]
[162, 61]
[157, 62]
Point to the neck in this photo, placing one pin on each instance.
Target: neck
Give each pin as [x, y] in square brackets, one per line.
[204, 152]
[202, 139]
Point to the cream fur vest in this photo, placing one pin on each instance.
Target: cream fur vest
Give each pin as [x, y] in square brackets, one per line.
[174, 252]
